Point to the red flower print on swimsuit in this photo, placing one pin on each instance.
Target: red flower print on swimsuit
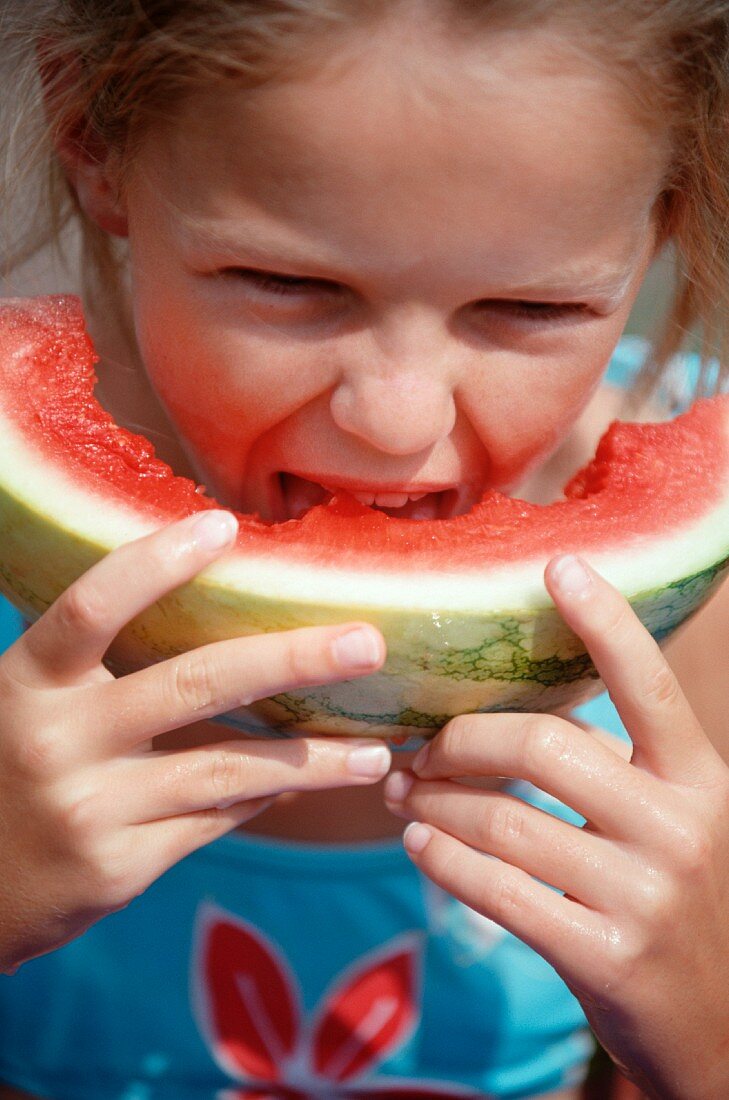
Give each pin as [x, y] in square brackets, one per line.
[249, 1011]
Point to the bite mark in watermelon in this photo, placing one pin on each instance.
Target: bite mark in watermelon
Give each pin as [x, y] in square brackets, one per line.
[461, 602]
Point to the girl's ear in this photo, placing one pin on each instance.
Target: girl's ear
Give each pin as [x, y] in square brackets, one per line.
[93, 180]
[91, 167]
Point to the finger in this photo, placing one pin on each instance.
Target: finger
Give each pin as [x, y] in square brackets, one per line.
[562, 855]
[70, 640]
[161, 844]
[225, 675]
[621, 748]
[554, 755]
[569, 936]
[166, 784]
[666, 735]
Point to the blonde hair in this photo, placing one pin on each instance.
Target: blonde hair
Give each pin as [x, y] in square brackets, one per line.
[112, 67]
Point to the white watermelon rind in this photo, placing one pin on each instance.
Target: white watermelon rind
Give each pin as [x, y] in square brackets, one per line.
[440, 662]
[460, 641]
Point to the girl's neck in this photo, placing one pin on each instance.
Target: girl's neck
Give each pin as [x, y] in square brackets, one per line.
[343, 815]
[339, 815]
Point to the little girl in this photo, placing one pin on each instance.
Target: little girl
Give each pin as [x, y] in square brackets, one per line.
[389, 247]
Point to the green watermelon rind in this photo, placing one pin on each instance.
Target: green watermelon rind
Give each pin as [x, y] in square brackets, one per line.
[462, 640]
[438, 665]
[543, 684]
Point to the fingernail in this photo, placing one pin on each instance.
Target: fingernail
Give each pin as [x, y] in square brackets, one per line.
[357, 649]
[397, 786]
[415, 837]
[571, 575]
[214, 530]
[369, 760]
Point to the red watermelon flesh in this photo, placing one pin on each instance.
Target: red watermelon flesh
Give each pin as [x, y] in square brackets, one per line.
[461, 601]
[52, 394]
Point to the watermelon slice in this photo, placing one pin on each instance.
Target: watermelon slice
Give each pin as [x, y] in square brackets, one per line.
[461, 601]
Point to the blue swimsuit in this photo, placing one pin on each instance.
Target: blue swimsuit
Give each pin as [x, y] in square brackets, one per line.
[258, 968]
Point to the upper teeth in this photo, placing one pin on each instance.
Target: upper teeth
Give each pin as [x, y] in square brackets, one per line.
[386, 500]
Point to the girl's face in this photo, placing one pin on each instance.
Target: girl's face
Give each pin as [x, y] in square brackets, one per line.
[403, 275]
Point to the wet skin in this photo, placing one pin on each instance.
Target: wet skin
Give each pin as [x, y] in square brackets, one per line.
[404, 273]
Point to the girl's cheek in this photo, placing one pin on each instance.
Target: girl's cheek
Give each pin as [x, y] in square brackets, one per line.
[197, 393]
[212, 440]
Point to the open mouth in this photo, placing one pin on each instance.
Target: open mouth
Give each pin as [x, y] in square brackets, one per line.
[297, 494]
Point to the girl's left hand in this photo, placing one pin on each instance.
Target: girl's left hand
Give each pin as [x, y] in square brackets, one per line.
[640, 933]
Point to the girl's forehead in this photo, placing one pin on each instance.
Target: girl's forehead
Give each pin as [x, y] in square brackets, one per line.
[392, 106]
[433, 137]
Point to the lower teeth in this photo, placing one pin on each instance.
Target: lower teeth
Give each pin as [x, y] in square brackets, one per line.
[301, 495]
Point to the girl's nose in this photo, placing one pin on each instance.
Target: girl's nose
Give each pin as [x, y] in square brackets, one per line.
[399, 412]
[396, 389]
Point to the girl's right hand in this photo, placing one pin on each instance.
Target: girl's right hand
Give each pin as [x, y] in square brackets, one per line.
[91, 813]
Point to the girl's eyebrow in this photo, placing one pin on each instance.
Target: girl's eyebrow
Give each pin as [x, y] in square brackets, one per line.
[267, 248]
[608, 282]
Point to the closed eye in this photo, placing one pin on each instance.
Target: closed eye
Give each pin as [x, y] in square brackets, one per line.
[535, 311]
[284, 285]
